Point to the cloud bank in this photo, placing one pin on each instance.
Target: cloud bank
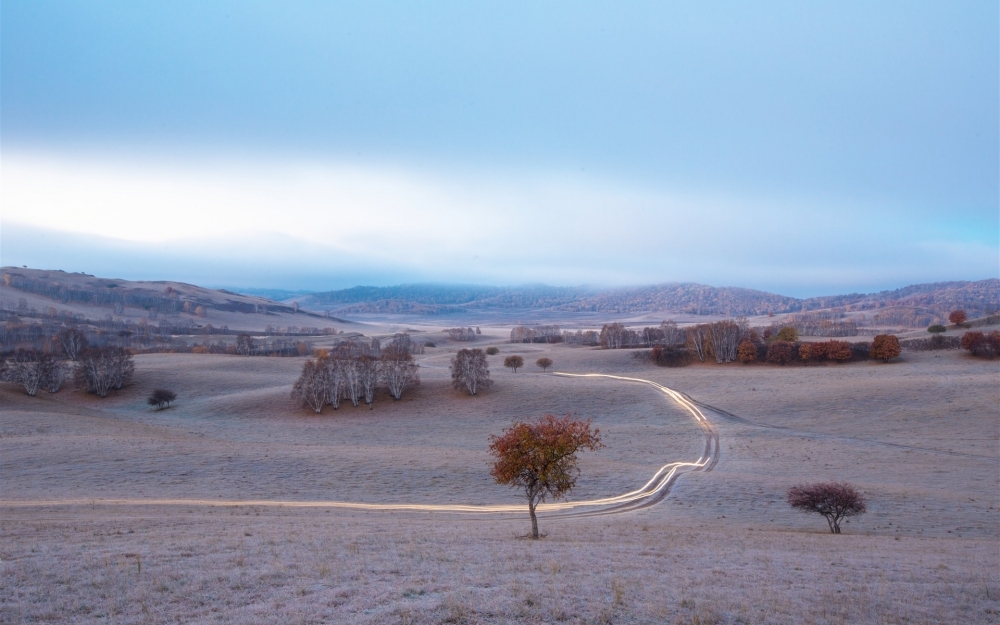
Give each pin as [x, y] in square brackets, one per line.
[321, 224]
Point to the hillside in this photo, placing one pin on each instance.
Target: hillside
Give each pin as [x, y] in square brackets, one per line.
[921, 300]
[61, 297]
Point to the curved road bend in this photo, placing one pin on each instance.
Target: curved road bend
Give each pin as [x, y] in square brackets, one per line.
[648, 494]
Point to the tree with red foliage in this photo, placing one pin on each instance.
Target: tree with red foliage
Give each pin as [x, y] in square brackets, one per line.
[838, 351]
[957, 317]
[540, 457]
[780, 353]
[746, 352]
[831, 499]
[985, 345]
[885, 347]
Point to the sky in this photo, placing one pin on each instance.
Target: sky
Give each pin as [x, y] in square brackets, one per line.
[802, 148]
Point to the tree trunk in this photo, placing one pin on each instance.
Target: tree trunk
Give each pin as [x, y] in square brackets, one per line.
[534, 519]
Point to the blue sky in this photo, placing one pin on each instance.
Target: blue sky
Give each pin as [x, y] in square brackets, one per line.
[805, 148]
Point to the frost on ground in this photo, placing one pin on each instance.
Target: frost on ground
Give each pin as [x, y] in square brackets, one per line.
[919, 437]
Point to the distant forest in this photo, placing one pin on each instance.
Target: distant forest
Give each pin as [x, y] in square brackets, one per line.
[935, 299]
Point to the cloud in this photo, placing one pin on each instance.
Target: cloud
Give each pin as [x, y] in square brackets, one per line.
[330, 223]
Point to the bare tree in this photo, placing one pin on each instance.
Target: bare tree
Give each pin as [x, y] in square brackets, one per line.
[725, 337]
[244, 344]
[461, 334]
[334, 380]
[613, 335]
[101, 370]
[697, 336]
[352, 379]
[399, 372]
[73, 342]
[470, 371]
[834, 500]
[30, 369]
[312, 389]
[369, 373]
[513, 363]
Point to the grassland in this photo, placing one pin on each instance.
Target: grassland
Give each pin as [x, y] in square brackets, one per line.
[919, 436]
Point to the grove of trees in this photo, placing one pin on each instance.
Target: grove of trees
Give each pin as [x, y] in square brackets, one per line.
[540, 457]
[104, 369]
[355, 371]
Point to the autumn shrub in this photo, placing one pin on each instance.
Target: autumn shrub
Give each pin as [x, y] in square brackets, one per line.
[838, 351]
[429, 344]
[982, 345]
[492, 351]
[937, 329]
[780, 352]
[859, 350]
[788, 334]
[885, 347]
[670, 356]
[746, 352]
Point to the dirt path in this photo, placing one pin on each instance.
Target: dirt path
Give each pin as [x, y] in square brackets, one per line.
[650, 493]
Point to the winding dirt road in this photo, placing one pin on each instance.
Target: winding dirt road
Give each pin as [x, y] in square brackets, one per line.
[648, 494]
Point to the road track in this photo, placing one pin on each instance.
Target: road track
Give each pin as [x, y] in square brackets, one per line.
[650, 493]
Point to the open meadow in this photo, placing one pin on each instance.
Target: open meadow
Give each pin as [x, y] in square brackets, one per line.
[106, 504]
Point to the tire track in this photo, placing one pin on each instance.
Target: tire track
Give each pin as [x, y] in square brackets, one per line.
[650, 493]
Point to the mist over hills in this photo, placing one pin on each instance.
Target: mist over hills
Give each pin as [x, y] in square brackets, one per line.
[42, 288]
[976, 297]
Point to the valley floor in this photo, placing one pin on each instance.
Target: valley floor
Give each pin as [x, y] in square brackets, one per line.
[919, 436]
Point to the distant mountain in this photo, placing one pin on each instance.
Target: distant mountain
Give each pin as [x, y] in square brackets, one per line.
[935, 298]
[42, 289]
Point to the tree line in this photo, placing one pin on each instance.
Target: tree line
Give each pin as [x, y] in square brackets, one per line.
[96, 370]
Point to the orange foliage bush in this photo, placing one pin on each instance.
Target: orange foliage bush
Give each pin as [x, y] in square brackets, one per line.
[885, 347]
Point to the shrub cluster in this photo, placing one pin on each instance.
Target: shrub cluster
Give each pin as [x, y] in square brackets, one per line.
[982, 345]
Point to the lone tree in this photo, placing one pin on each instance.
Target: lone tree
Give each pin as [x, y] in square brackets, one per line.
[885, 347]
[513, 363]
[544, 363]
[470, 371]
[957, 317]
[834, 500]
[540, 457]
[161, 397]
